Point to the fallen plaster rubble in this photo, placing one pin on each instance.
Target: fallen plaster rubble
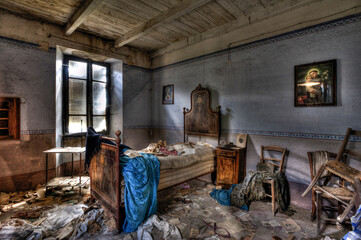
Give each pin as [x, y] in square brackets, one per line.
[184, 212]
[54, 213]
[170, 231]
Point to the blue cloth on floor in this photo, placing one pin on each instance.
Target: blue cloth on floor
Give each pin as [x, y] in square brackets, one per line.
[356, 227]
[141, 175]
[223, 197]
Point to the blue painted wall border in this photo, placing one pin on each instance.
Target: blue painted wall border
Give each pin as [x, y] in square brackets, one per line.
[37, 132]
[21, 43]
[259, 132]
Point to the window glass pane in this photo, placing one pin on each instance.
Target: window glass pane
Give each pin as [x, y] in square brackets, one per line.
[99, 123]
[78, 69]
[77, 124]
[99, 73]
[3, 123]
[4, 132]
[4, 114]
[99, 98]
[77, 96]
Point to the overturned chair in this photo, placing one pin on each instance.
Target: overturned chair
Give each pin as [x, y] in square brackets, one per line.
[316, 159]
[336, 168]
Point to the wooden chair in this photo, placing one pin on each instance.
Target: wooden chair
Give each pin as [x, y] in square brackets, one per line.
[311, 162]
[336, 189]
[277, 163]
[342, 171]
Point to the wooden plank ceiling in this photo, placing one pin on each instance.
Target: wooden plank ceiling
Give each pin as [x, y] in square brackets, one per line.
[144, 24]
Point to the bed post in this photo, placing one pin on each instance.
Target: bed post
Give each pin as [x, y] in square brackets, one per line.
[117, 142]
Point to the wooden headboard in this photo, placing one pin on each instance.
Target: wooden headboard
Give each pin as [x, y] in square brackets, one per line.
[201, 120]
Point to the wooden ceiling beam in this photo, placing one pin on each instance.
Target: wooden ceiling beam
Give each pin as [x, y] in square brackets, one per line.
[81, 15]
[171, 14]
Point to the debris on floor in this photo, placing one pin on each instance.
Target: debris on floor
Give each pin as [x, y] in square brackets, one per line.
[170, 232]
[356, 227]
[291, 226]
[56, 212]
[184, 212]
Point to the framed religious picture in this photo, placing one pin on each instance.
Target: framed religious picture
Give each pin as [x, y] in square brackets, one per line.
[315, 84]
[168, 94]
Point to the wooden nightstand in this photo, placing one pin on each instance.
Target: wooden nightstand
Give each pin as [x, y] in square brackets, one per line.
[231, 165]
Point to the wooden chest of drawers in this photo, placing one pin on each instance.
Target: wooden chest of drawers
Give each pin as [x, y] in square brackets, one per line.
[231, 165]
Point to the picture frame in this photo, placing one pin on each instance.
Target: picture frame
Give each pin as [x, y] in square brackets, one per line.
[315, 84]
[168, 94]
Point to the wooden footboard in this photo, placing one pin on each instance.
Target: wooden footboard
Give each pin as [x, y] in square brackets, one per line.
[105, 179]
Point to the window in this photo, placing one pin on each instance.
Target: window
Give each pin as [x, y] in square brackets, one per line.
[86, 91]
[9, 118]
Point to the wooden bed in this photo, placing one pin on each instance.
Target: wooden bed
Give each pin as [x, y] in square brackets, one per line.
[105, 174]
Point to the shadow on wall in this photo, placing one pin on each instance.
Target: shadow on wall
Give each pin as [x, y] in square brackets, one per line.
[226, 119]
[252, 155]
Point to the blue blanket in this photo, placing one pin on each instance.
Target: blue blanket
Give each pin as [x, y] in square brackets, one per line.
[141, 175]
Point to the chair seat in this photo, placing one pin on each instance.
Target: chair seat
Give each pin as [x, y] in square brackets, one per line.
[341, 193]
[340, 169]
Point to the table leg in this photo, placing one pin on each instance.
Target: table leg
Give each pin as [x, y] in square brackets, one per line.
[80, 174]
[46, 169]
[80, 168]
[72, 165]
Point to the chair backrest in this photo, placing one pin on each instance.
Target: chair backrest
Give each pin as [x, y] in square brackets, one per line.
[276, 161]
[311, 161]
[350, 132]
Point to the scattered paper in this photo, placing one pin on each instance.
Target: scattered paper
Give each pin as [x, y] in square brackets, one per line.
[174, 221]
[291, 226]
[243, 216]
[274, 223]
[193, 232]
[266, 224]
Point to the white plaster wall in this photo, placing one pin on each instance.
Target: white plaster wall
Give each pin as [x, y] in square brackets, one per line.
[116, 94]
[255, 88]
[137, 106]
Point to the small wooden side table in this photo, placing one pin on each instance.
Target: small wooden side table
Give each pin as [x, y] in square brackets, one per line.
[71, 150]
[231, 165]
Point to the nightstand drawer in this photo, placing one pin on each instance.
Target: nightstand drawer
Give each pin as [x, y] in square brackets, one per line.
[228, 153]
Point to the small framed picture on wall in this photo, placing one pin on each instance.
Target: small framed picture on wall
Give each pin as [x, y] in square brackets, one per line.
[168, 94]
[315, 84]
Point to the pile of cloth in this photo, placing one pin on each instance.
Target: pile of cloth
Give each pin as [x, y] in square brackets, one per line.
[251, 189]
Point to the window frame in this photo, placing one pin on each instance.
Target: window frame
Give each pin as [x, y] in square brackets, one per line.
[89, 94]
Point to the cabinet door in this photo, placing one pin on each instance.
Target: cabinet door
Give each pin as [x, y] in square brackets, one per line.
[225, 170]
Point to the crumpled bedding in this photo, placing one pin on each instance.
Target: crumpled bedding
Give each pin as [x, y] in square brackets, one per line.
[189, 154]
